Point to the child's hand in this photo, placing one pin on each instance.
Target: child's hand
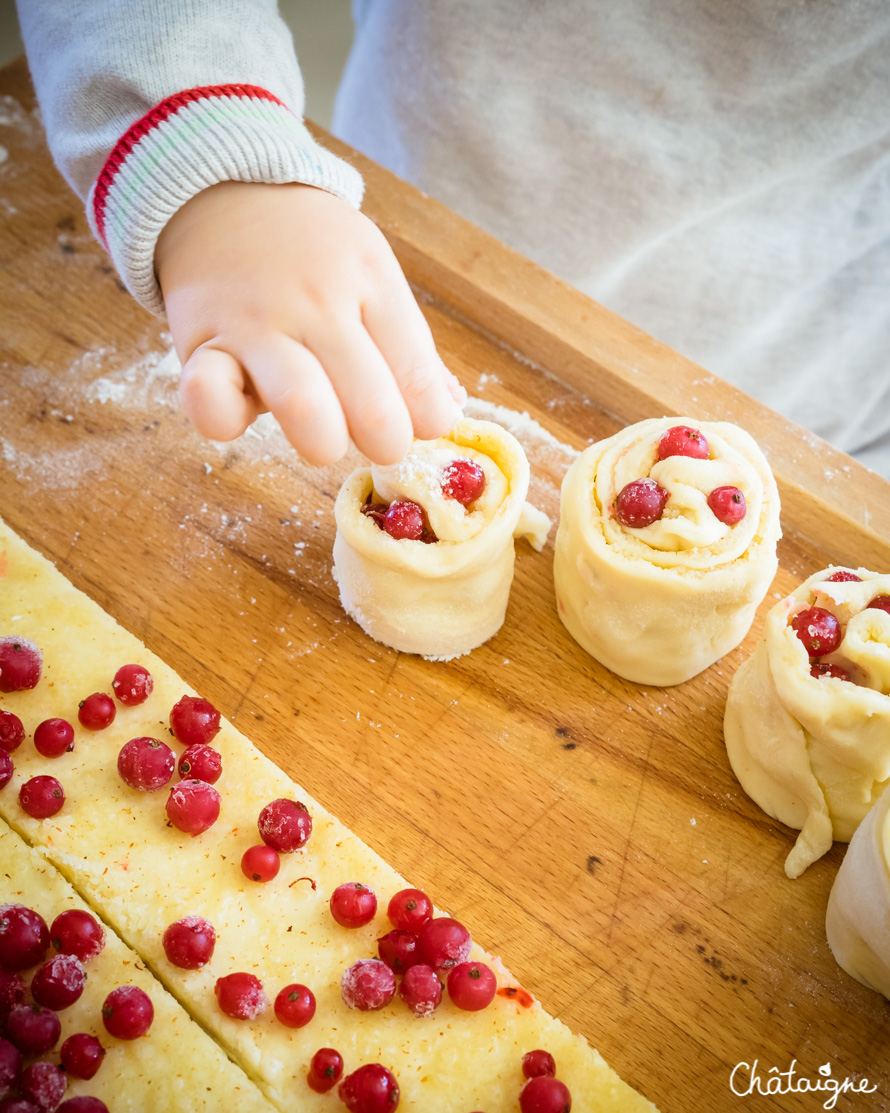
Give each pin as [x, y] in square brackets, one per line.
[284, 298]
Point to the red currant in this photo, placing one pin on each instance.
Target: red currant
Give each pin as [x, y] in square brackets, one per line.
[24, 937]
[132, 684]
[410, 910]
[376, 511]
[404, 520]
[146, 764]
[33, 1029]
[370, 1089]
[193, 806]
[545, 1095]
[76, 932]
[194, 720]
[41, 797]
[368, 985]
[728, 505]
[241, 996]
[59, 982]
[880, 603]
[472, 986]
[127, 1012]
[843, 577]
[260, 863]
[398, 949]
[835, 671]
[12, 731]
[295, 1006]
[421, 990]
[10, 1067]
[325, 1070]
[536, 1063]
[84, 1103]
[353, 905]
[189, 942]
[285, 825]
[640, 503]
[12, 993]
[444, 943]
[20, 664]
[682, 440]
[54, 737]
[82, 1055]
[818, 629]
[20, 1105]
[463, 480]
[202, 762]
[97, 711]
[43, 1084]
[7, 768]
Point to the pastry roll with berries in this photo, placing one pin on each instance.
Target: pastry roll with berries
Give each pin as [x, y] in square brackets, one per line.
[807, 721]
[666, 545]
[424, 553]
[859, 905]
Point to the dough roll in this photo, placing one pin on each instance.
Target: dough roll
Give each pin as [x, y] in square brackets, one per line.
[659, 603]
[857, 922]
[447, 594]
[808, 736]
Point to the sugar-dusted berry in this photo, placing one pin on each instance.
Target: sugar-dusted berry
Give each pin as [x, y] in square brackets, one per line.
[21, 663]
[194, 720]
[836, 671]
[444, 943]
[370, 1089]
[77, 932]
[201, 761]
[146, 764]
[193, 806]
[12, 993]
[640, 503]
[10, 1067]
[818, 629]
[260, 863]
[189, 942]
[880, 603]
[128, 1012]
[398, 949]
[59, 982]
[367, 985]
[7, 768]
[353, 904]
[295, 1006]
[43, 1084]
[842, 576]
[410, 910]
[24, 937]
[12, 731]
[421, 990]
[33, 1029]
[463, 480]
[285, 825]
[132, 684]
[325, 1070]
[54, 737]
[241, 996]
[404, 520]
[81, 1055]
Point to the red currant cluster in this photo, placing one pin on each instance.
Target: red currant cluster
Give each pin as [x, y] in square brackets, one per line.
[821, 633]
[31, 1028]
[462, 480]
[642, 501]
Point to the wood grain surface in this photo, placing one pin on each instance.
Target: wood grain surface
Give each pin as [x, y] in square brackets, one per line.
[588, 829]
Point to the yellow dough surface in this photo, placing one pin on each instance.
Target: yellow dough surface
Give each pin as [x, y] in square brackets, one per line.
[814, 752]
[439, 600]
[175, 1067]
[140, 874]
[659, 604]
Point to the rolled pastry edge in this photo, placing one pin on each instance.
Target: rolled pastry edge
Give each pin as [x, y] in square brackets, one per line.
[857, 922]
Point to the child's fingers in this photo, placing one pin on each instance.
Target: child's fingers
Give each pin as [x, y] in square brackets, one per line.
[293, 385]
[377, 416]
[215, 394]
[432, 394]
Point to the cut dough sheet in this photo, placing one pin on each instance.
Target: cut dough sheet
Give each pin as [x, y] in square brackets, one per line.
[141, 875]
[176, 1067]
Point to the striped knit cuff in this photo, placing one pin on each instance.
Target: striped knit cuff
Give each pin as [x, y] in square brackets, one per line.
[189, 142]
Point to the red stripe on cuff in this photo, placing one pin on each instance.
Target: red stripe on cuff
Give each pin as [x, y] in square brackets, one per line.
[168, 107]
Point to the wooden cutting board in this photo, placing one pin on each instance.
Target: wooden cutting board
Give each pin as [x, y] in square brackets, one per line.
[588, 829]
